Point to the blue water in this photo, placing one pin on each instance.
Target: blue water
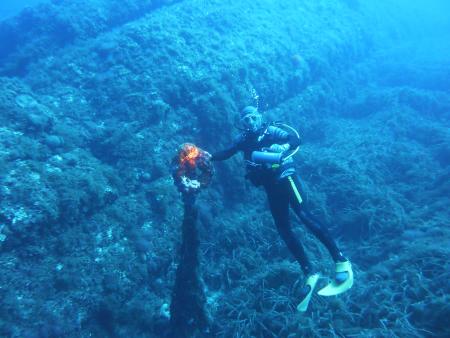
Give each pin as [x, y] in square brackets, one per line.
[96, 97]
[10, 8]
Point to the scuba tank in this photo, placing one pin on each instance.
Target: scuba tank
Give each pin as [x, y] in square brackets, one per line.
[274, 158]
[265, 157]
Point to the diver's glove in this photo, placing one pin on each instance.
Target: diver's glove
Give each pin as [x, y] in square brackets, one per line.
[279, 148]
[342, 282]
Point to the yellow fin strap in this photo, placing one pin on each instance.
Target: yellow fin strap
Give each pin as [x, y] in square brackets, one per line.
[311, 282]
[334, 288]
[296, 192]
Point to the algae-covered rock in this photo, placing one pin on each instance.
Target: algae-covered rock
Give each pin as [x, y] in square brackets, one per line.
[95, 98]
[60, 23]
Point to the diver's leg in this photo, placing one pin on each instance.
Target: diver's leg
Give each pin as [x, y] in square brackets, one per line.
[322, 233]
[343, 279]
[279, 207]
[314, 225]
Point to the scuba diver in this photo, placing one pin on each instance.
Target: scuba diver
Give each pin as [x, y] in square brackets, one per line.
[268, 153]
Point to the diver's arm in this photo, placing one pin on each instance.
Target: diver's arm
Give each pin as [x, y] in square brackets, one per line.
[228, 152]
[280, 136]
[223, 154]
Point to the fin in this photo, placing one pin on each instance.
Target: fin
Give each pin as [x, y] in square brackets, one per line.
[311, 282]
[334, 288]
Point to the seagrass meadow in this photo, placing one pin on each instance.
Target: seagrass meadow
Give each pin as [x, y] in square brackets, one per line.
[97, 95]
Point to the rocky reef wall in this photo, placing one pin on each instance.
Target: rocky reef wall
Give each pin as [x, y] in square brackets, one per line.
[42, 30]
[97, 95]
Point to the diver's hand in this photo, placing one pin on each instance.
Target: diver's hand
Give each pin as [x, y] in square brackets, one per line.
[207, 155]
[279, 148]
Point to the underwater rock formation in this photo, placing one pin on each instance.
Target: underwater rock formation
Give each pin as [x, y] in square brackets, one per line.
[57, 24]
[96, 96]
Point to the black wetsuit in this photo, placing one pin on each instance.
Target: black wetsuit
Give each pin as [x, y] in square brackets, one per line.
[283, 190]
